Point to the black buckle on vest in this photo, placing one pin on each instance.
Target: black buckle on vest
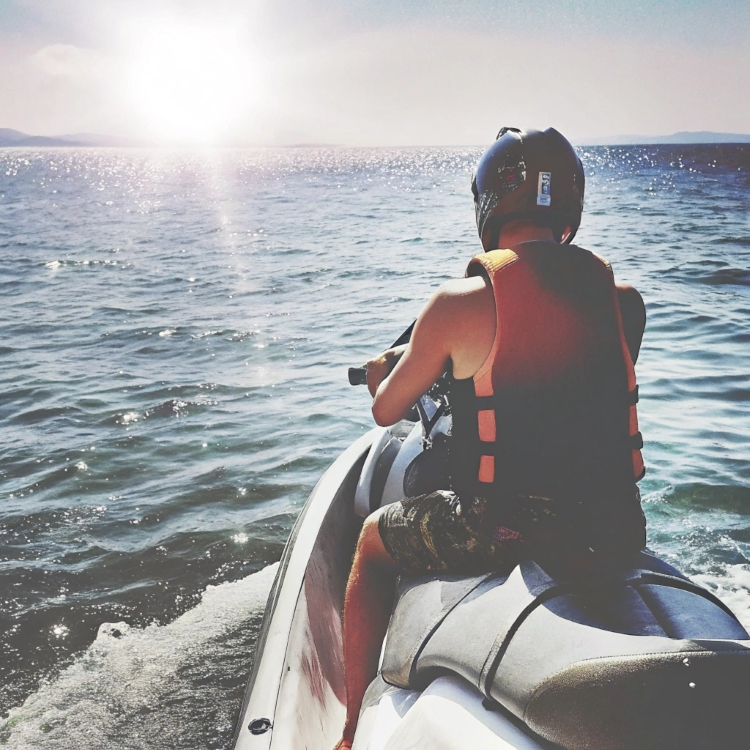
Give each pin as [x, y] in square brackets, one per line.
[632, 398]
[636, 441]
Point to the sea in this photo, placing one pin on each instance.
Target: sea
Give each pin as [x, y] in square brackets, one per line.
[175, 332]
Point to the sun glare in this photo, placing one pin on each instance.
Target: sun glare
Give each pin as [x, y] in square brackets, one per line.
[191, 84]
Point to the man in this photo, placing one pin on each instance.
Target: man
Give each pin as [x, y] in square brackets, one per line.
[539, 346]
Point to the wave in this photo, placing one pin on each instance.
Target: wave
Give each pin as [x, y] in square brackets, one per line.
[703, 530]
[728, 276]
[43, 414]
[175, 685]
[743, 241]
[721, 275]
[173, 407]
[732, 499]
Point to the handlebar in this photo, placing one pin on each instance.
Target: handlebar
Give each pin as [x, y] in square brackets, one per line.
[428, 409]
[357, 376]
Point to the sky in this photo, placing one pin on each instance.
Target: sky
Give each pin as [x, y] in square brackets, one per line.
[372, 72]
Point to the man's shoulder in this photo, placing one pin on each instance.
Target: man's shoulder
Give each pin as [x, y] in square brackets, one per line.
[461, 302]
[460, 321]
[457, 291]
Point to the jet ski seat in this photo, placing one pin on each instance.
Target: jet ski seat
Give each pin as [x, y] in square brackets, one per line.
[636, 658]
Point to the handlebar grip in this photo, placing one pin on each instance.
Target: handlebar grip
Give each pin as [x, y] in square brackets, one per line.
[357, 376]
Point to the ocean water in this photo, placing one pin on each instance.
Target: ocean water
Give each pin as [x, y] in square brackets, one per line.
[174, 338]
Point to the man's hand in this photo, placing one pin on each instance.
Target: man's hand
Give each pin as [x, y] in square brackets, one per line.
[379, 368]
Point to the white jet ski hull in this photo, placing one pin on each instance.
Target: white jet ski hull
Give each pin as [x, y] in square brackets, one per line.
[464, 663]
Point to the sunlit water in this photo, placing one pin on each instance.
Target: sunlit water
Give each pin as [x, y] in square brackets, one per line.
[175, 333]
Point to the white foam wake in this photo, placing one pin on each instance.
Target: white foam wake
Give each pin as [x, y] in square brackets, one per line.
[140, 688]
[733, 588]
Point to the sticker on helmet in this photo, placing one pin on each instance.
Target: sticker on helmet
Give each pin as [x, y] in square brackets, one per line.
[544, 195]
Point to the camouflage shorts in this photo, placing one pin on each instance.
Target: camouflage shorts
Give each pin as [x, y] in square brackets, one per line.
[440, 532]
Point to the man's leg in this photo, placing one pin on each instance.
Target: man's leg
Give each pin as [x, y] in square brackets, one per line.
[367, 609]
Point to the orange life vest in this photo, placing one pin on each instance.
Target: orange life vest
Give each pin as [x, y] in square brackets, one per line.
[553, 408]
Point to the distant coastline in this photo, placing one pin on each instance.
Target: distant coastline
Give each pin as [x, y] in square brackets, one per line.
[10, 138]
[15, 138]
[683, 138]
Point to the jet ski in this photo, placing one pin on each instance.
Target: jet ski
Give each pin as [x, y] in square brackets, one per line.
[630, 657]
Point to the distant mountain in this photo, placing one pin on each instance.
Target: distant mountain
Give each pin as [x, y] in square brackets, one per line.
[15, 138]
[683, 137]
[10, 136]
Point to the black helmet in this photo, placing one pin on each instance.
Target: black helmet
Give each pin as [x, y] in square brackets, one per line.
[529, 174]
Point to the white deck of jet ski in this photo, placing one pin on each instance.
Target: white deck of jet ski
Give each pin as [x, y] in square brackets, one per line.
[447, 715]
[296, 694]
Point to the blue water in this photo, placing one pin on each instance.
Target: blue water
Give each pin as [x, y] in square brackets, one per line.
[174, 339]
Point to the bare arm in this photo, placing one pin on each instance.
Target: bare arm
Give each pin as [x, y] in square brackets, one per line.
[457, 325]
[424, 360]
[633, 313]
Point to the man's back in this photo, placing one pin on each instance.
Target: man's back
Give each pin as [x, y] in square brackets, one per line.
[548, 414]
[457, 329]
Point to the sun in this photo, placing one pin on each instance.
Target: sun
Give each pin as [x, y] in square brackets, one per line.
[190, 84]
